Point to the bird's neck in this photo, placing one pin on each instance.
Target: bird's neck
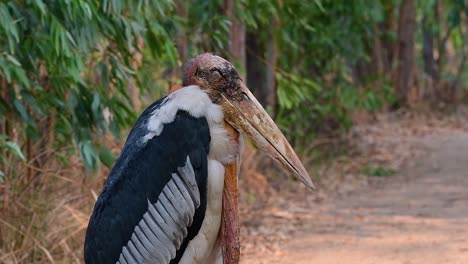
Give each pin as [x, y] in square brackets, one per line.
[230, 233]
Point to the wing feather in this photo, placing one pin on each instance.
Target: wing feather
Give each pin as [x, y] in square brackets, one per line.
[185, 174]
[154, 200]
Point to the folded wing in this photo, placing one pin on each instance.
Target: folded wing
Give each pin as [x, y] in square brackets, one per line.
[154, 200]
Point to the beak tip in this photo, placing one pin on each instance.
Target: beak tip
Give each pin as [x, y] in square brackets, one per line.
[309, 184]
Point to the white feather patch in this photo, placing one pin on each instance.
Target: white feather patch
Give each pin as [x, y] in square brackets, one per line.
[198, 104]
[205, 247]
[191, 99]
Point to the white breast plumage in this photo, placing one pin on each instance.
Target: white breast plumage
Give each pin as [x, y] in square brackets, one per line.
[204, 248]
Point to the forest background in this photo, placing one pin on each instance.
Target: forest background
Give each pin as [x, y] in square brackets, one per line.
[74, 76]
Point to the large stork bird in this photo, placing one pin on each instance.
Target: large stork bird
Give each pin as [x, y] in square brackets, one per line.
[171, 197]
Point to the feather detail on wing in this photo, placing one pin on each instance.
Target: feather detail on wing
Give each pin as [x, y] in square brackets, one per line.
[154, 200]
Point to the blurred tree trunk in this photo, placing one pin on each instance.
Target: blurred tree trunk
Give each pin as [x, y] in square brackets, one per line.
[428, 49]
[181, 39]
[181, 42]
[272, 58]
[237, 37]
[389, 45]
[381, 50]
[365, 69]
[442, 36]
[377, 57]
[431, 76]
[444, 92]
[456, 87]
[405, 77]
[255, 66]
[262, 57]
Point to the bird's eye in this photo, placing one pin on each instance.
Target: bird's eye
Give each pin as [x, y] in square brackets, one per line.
[215, 75]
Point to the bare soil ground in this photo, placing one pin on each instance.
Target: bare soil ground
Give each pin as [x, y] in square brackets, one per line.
[419, 215]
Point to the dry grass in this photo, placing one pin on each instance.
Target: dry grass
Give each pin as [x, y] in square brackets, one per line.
[44, 219]
[45, 222]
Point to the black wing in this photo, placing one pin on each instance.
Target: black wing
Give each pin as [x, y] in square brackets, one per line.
[154, 200]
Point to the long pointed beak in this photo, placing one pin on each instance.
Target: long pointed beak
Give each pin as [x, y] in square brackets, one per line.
[247, 115]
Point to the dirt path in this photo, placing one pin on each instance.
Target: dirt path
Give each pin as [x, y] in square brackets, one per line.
[419, 216]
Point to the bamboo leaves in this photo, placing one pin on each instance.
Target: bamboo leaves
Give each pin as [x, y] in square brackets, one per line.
[70, 61]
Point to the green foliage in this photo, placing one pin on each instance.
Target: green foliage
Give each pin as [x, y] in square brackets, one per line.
[445, 22]
[293, 90]
[70, 61]
[68, 69]
[207, 27]
[318, 44]
[9, 147]
[65, 66]
[378, 171]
